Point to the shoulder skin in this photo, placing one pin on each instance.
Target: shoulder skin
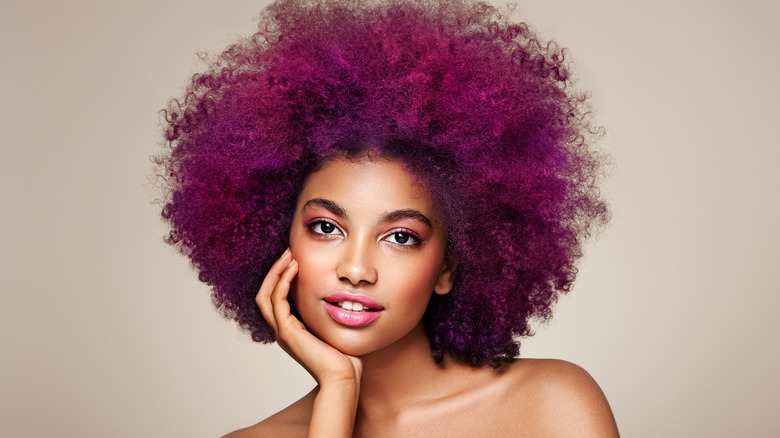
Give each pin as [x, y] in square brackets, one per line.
[560, 399]
[292, 421]
[528, 398]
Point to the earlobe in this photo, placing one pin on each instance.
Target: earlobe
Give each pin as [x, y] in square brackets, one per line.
[446, 277]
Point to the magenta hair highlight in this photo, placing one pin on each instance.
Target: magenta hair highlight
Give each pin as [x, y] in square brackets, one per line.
[471, 102]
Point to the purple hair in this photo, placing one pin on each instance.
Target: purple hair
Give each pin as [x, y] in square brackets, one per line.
[473, 103]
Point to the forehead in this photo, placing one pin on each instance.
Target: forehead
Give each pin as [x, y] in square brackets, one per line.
[367, 185]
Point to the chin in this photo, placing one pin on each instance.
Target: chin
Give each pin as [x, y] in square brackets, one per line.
[352, 344]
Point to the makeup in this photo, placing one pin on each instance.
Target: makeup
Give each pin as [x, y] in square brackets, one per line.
[352, 310]
[351, 318]
[365, 277]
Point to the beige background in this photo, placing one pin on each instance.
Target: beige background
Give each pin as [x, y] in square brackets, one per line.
[106, 332]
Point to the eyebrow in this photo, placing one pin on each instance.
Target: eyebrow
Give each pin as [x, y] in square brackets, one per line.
[390, 216]
[327, 204]
[406, 213]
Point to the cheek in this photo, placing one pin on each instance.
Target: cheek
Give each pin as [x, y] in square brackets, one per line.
[416, 279]
[311, 271]
[312, 266]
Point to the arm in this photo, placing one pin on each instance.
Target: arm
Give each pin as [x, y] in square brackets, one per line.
[338, 375]
[333, 413]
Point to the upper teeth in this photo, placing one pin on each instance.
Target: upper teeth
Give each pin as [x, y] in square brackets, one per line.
[349, 305]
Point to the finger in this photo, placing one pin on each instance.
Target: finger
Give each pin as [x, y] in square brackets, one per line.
[263, 297]
[280, 305]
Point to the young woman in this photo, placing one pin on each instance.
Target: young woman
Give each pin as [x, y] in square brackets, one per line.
[407, 184]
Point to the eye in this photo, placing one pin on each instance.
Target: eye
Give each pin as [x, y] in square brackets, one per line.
[323, 227]
[404, 238]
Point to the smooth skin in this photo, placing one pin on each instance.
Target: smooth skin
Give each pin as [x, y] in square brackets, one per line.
[381, 380]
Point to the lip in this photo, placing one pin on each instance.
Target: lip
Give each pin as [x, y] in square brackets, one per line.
[349, 318]
[344, 296]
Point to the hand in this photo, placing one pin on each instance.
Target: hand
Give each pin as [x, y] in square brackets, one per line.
[338, 375]
[323, 362]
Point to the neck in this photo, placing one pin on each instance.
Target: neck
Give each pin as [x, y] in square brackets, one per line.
[400, 375]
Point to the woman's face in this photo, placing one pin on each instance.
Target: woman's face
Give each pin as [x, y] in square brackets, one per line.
[371, 246]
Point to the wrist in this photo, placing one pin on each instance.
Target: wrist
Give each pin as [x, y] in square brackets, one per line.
[339, 376]
[339, 386]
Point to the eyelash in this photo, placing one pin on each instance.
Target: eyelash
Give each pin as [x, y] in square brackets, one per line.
[417, 240]
[311, 225]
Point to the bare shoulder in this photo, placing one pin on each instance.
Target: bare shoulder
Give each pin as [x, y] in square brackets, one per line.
[292, 421]
[561, 399]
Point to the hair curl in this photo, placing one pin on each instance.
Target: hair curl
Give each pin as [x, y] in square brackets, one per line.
[468, 99]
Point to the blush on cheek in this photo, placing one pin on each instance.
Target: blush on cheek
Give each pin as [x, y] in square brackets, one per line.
[306, 285]
[307, 268]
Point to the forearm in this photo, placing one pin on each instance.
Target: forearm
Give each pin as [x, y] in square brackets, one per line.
[333, 412]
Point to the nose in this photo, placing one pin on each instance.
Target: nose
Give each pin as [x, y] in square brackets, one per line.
[356, 265]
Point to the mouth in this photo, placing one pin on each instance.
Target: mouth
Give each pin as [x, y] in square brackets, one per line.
[353, 302]
[352, 310]
[352, 306]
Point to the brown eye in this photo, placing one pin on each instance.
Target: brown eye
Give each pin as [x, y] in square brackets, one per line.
[324, 228]
[403, 238]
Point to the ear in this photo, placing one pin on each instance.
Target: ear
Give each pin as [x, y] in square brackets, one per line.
[446, 277]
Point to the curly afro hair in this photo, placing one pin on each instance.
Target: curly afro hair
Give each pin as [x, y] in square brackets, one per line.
[469, 100]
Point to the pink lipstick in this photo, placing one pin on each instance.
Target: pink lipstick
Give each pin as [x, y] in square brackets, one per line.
[352, 310]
